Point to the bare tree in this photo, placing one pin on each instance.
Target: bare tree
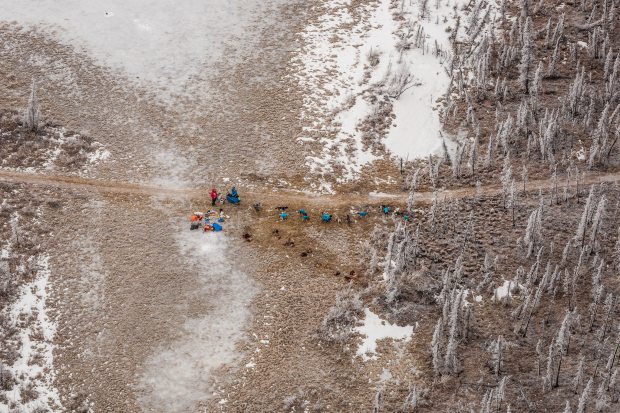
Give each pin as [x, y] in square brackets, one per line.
[533, 232]
[451, 363]
[578, 379]
[415, 398]
[457, 160]
[513, 194]
[32, 115]
[399, 82]
[378, 402]
[437, 345]
[473, 153]
[585, 218]
[497, 356]
[597, 220]
[616, 252]
[525, 66]
[524, 176]
[585, 395]
[506, 179]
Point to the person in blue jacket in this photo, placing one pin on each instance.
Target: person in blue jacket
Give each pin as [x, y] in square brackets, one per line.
[233, 196]
[304, 215]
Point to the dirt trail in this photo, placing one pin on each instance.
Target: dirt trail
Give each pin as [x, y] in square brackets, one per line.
[267, 196]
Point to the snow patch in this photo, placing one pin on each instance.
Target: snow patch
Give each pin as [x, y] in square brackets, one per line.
[173, 169]
[374, 329]
[506, 290]
[165, 43]
[33, 367]
[581, 153]
[99, 155]
[417, 129]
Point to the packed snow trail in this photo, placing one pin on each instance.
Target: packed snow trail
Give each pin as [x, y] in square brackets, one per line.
[267, 196]
[179, 375]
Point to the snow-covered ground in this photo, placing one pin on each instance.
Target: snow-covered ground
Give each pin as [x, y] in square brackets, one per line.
[179, 376]
[33, 368]
[164, 42]
[344, 89]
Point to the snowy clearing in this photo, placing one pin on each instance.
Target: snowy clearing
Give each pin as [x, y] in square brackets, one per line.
[360, 65]
[374, 329]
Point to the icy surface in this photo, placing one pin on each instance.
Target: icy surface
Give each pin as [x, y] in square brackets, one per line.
[180, 375]
[373, 329]
[161, 41]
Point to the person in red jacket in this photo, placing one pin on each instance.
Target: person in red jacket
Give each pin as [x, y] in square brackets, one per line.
[214, 196]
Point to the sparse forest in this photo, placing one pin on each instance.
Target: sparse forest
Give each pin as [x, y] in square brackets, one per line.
[516, 294]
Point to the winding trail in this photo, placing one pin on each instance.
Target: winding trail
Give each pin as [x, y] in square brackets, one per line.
[271, 197]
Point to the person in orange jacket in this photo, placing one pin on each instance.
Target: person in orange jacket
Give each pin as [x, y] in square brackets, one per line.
[214, 196]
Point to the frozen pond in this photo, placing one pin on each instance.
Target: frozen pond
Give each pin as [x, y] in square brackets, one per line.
[161, 41]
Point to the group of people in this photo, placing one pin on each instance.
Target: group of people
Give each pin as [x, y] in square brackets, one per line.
[326, 217]
[387, 209]
[213, 220]
[232, 197]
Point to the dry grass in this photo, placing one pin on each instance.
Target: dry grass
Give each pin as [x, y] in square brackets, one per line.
[49, 148]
